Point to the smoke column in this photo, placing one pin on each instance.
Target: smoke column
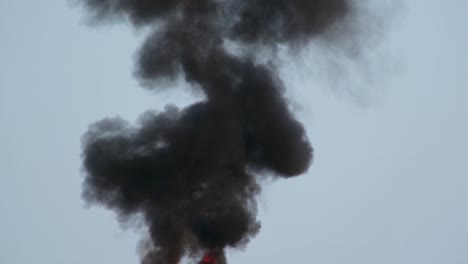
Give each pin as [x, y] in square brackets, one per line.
[192, 173]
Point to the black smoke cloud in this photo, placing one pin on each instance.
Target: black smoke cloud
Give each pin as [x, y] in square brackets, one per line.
[191, 173]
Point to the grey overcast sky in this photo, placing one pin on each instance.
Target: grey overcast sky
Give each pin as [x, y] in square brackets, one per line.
[389, 183]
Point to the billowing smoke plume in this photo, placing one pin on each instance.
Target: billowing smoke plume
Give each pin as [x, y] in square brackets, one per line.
[191, 173]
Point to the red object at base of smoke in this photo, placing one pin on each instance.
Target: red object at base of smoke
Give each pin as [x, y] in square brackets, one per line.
[209, 259]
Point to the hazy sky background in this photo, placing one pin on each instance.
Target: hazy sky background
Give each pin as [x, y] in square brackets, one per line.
[390, 179]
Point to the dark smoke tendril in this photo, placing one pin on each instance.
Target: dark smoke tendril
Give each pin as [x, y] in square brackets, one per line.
[191, 173]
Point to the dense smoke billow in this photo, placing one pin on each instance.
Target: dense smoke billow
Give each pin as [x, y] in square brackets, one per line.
[191, 173]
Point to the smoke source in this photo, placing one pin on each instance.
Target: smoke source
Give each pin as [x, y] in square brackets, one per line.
[192, 173]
